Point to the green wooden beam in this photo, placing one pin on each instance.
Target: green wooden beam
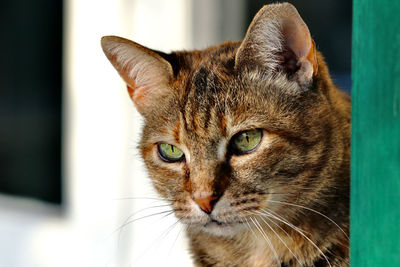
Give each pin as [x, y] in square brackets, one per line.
[375, 166]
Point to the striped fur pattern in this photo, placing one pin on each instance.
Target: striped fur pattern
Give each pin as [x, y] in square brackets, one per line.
[284, 204]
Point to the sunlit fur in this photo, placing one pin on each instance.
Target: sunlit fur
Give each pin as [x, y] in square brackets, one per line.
[303, 159]
[284, 204]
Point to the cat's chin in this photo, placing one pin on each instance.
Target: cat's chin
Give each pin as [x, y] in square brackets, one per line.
[222, 229]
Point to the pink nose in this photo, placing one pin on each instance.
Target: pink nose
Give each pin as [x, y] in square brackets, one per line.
[206, 204]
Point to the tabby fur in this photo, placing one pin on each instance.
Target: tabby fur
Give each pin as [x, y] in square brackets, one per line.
[198, 100]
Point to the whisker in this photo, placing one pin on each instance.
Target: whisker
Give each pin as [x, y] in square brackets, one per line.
[147, 208]
[277, 225]
[251, 229]
[142, 198]
[156, 241]
[173, 244]
[283, 219]
[299, 231]
[281, 239]
[130, 216]
[256, 223]
[312, 210]
[169, 212]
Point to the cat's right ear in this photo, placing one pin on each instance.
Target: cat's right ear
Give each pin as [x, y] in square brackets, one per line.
[146, 73]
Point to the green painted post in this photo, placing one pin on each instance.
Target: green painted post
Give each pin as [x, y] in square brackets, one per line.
[375, 166]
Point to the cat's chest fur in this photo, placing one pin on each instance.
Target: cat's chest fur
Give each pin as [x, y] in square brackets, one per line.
[267, 248]
[249, 251]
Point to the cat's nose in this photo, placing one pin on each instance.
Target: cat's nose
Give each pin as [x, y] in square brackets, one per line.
[206, 204]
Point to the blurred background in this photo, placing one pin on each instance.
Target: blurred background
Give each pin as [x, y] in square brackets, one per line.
[73, 191]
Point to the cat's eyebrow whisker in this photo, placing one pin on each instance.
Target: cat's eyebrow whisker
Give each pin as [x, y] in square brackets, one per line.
[268, 214]
[262, 218]
[257, 224]
[312, 210]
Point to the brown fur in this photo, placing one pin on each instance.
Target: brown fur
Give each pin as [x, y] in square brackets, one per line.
[303, 159]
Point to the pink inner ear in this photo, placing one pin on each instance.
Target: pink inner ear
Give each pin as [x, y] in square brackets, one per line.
[298, 39]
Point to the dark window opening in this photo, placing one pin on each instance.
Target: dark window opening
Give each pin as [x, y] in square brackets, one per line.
[30, 98]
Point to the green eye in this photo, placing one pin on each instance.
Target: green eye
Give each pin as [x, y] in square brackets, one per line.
[247, 141]
[170, 153]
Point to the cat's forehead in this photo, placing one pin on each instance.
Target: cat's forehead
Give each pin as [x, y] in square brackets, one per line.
[205, 89]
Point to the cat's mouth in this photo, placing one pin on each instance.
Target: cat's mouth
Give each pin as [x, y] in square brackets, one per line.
[217, 223]
[222, 228]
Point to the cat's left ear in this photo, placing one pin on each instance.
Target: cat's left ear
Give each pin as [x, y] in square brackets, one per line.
[278, 40]
[145, 72]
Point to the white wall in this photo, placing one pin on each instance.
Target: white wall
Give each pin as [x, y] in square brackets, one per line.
[102, 130]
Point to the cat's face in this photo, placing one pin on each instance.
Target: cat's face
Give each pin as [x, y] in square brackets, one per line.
[232, 130]
[235, 136]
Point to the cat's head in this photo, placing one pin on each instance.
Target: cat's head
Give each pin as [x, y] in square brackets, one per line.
[233, 128]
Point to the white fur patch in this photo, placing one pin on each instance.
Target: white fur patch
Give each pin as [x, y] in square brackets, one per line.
[222, 147]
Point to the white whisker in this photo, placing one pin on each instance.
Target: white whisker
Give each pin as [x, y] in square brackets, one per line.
[141, 198]
[131, 216]
[169, 212]
[312, 210]
[256, 223]
[283, 219]
[281, 239]
[156, 241]
[173, 244]
[266, 213]
[251, 229]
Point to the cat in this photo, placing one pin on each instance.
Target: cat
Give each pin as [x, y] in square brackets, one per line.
[248, 141]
